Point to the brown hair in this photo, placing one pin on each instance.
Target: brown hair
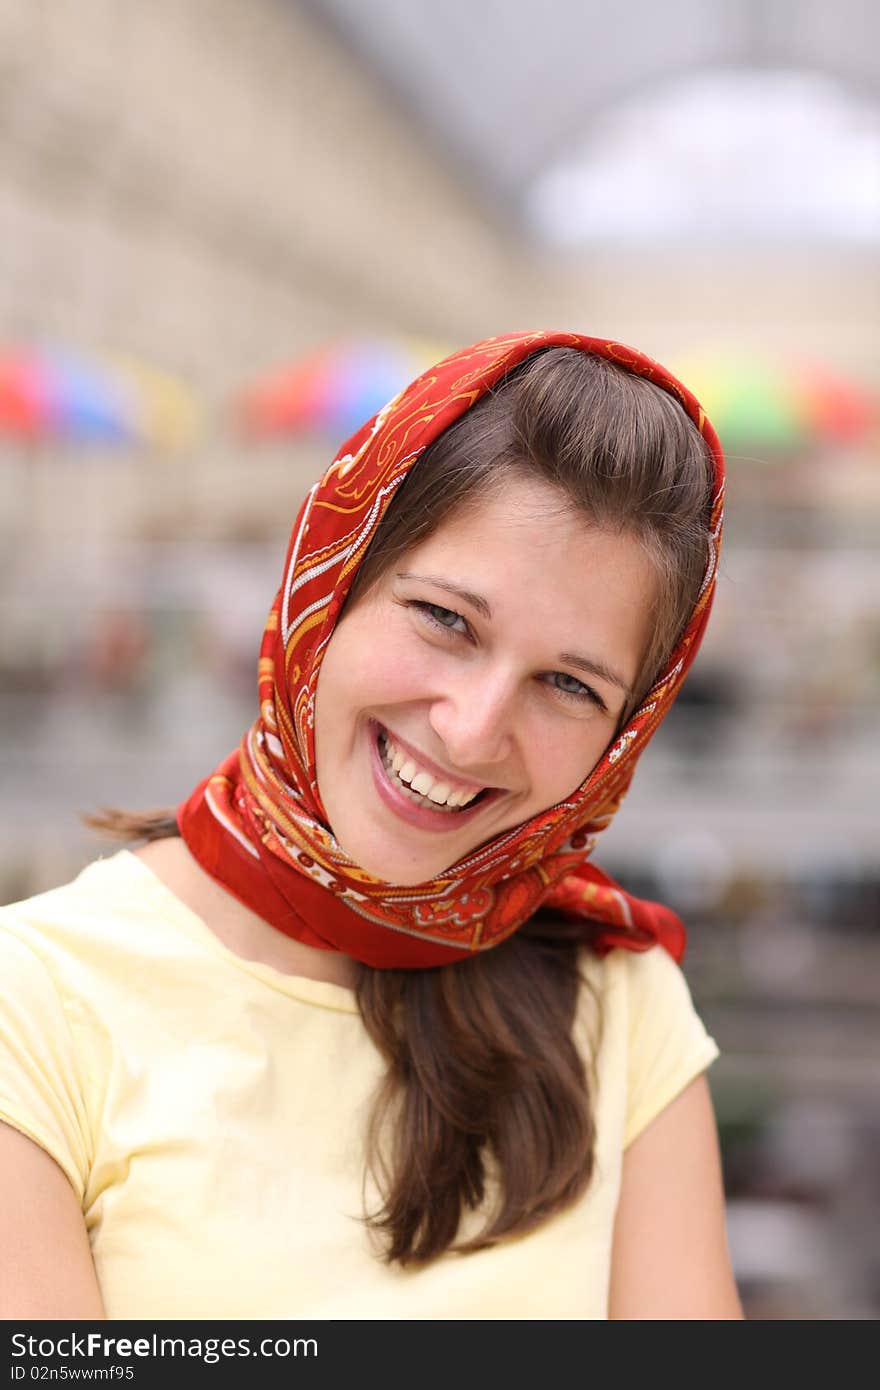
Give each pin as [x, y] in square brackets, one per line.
[485, 1106]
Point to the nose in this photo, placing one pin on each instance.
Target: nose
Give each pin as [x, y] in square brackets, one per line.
[474, 719]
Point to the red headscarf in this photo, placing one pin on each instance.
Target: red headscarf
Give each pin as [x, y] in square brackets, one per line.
[257, 823]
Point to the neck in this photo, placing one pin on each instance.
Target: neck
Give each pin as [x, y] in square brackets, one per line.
[241, 930]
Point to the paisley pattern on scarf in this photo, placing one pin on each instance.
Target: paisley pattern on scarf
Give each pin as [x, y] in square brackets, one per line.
[257, 824]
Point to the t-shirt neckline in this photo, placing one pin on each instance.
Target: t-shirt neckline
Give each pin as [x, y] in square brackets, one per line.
[323, 993]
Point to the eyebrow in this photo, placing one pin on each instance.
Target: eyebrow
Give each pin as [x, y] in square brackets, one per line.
[482, 606]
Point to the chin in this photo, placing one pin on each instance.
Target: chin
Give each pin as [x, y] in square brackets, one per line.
[398, 869]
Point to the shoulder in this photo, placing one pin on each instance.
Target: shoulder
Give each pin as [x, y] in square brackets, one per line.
[48, 1053]
[41, 934]
[72, 932]
[638, 972]
[68, 957]
[646, 988]
[638, 1017]
[658, 996]
[102, 880]
[110, 908]
[670, 1257]
[84, 967]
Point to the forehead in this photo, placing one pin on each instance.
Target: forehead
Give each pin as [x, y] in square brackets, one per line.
[542, 564]
[518, 518]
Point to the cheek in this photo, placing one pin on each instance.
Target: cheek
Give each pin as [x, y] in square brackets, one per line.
[563, 755]
[367, 668]
[402, 671]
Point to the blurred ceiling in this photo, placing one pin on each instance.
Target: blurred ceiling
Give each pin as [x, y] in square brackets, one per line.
[510, 88]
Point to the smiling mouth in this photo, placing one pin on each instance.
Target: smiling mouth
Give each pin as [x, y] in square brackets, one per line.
[420, 786]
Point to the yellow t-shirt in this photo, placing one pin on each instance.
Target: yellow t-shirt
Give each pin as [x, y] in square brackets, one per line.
[209, 1112]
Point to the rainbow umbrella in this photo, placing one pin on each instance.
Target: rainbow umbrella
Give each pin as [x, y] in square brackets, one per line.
[166, 412]
[777, 404]
[335, 389]
[24, 399]
[88, 403]
[56, 394]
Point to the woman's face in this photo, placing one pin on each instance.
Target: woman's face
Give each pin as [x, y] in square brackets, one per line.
[488, 669]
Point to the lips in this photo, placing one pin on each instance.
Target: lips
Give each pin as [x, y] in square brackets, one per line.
[403, 803]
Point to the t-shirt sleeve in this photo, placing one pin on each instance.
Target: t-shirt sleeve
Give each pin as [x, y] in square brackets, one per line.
[668, 1043]
[40, 1090]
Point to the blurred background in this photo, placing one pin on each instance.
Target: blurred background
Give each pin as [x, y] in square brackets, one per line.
[230, 231]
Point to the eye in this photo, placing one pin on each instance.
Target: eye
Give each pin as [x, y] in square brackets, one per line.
[439, 617]
[573, 689]
[451, 624]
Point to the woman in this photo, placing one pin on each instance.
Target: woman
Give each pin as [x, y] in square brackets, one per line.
[360, 1031]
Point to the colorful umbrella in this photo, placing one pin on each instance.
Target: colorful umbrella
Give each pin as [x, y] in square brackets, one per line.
[334, 389]
[166, 412]
[771, 403]
[754, 402]
[56, 394]
[25, 403]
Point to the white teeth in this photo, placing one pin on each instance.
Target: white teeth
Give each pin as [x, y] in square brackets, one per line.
[421, 785]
